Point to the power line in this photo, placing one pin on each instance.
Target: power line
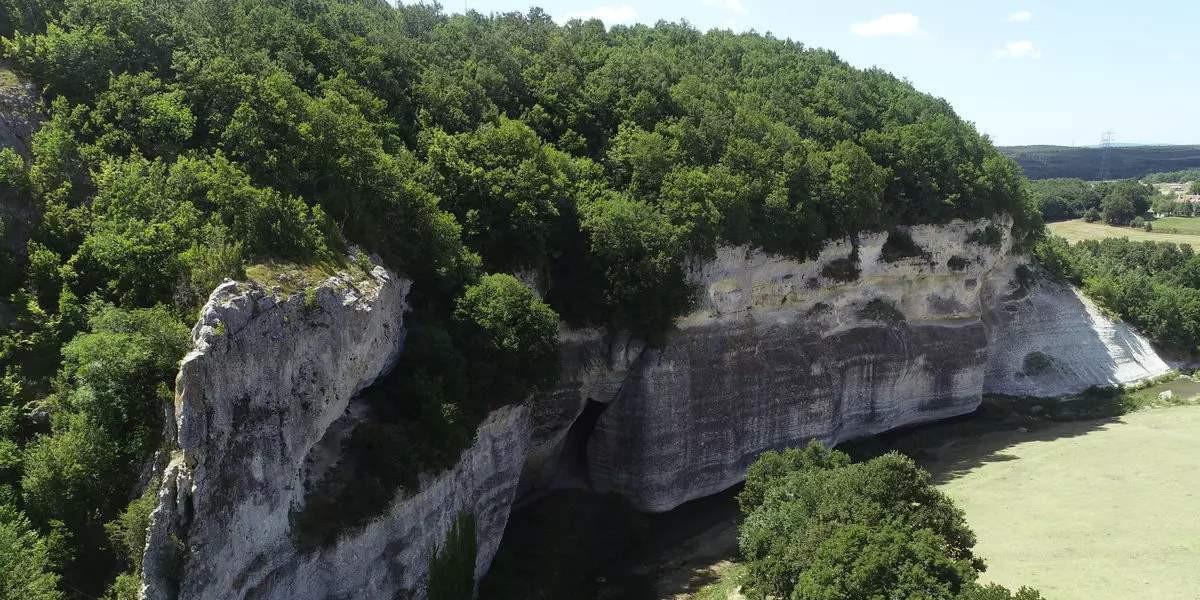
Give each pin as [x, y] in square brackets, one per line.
[1106, 144]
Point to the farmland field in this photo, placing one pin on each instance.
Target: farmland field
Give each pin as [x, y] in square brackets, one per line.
[1097, 510]
[1077, 230]
[1185, 225]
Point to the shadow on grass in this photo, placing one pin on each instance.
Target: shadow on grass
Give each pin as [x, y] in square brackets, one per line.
[572, 544]
[955, 447]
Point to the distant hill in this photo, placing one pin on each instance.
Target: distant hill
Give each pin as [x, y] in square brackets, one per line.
[1045, 162]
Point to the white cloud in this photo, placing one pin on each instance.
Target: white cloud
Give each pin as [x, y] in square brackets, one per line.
[736, 7]
[611, 14]
[899, 24]
[1021, 16]
[1019, 49]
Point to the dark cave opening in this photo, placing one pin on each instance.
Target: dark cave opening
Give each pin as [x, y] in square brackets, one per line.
[573, 460]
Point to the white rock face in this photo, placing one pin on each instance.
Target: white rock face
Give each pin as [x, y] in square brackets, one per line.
[775, 353]
[1071, 345]
[266, 381]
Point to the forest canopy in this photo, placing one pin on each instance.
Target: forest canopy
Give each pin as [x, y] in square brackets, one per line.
[186, 140]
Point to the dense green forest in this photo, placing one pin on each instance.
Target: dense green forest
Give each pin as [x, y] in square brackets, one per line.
[1184, 176]
[1049, 162]
[1153, 285]
[1116, 202]
[185, 141]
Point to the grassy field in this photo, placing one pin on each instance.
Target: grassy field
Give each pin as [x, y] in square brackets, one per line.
[1078, 229]
[1097, 510]
[1089, 496]
[1184, 225]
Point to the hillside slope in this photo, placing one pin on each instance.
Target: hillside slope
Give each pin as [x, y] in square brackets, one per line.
[1047, 162]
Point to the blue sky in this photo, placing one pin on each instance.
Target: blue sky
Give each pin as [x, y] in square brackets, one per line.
[1058, 72]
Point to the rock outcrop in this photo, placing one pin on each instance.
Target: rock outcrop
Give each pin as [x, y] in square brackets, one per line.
[779, 351]
[776, 352]
[1047, 339]
[268, 391]
[19, 116]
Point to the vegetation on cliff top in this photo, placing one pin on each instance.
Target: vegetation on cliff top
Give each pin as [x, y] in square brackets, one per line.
[1153, 285]
[185, 140]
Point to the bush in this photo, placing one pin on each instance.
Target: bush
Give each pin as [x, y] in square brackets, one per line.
[1091, 215]
[510, 336]
[957, 263]
[827, 528]
[25, 565]
[1036, 363]
[1138, 223]
[989, 236]
[452, 568]
[842, 269]
[883, 311]
[900, 245]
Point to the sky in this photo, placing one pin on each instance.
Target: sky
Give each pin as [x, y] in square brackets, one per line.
[1061, 72]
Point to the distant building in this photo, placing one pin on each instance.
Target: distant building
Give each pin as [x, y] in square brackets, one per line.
[1190, 198]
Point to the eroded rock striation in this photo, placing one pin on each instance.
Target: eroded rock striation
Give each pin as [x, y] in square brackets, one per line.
[1047, 339]
[780, 351]
[776, 352]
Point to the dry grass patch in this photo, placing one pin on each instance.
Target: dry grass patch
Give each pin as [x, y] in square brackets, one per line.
[287, 278]
[8, 79]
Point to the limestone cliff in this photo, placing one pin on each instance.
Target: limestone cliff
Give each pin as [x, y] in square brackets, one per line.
[19, 118]
[1047, 339]
[780, 351]
[776, 352]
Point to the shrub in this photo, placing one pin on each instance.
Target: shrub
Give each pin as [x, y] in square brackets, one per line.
[827, 528]
[883, 311]
[957, 263]
[509, 334]
[1091, 215]
[899, 245]
[1036, 363]
[842, 269]
[818, 527]
[452, 568]
[989, 236]
[25, 565]
[1138, 223]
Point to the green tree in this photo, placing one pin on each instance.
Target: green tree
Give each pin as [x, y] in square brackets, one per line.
[25, 566]
[1125, 200]
[510, 335]
[825, 528]
[641, 254]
